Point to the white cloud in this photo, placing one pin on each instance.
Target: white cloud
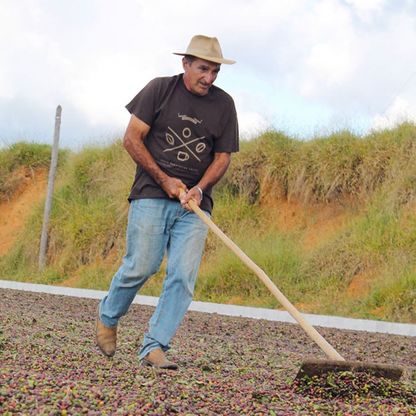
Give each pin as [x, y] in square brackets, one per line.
[368, 5]
[251, 124]
[400, 111]
[329, 66]
[6, 90]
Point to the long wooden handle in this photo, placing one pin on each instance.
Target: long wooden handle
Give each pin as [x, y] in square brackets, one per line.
[327, 348]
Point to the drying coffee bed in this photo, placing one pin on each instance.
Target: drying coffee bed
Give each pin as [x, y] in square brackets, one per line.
[49, 365]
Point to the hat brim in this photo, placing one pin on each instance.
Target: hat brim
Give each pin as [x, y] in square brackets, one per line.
[208, 58]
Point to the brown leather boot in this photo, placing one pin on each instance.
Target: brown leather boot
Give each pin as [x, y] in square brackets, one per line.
[157, 359]
[106, 337]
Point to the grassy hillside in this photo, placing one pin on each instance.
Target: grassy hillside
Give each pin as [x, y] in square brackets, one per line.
[332, 221]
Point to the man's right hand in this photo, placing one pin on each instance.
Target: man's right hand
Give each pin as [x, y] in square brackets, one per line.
[172, 186]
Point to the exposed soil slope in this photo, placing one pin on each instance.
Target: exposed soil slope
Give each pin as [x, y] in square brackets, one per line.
[13, 213]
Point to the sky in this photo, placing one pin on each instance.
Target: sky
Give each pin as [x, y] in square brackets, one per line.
[304, 67]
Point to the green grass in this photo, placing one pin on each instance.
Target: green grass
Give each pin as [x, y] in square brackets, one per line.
[371, 179]
[224, 275]
[20, 155]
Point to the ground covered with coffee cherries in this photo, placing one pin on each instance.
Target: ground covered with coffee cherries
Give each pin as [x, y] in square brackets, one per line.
[49, 365]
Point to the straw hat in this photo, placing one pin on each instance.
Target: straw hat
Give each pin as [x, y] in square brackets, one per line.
[206, 48]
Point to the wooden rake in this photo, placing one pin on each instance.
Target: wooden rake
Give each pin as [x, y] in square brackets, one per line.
[309, 367]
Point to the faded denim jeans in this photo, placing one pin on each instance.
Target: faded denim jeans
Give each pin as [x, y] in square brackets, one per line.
[156, 226]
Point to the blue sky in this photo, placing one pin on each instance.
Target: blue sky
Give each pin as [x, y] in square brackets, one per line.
[305, 67]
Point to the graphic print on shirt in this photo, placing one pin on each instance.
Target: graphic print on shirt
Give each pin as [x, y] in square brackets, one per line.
[192, 120]
[184, 142]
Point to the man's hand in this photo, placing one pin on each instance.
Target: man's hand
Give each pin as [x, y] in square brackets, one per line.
[193, 194]
[172, 187]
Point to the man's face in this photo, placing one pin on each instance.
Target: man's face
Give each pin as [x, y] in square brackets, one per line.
[200, 75]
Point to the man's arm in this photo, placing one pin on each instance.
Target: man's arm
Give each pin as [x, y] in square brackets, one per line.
[212, 175]
[133, 142]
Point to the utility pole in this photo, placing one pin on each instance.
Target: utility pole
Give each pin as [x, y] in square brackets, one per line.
[51, 183]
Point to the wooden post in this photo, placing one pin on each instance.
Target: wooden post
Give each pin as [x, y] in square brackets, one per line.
[51, 183]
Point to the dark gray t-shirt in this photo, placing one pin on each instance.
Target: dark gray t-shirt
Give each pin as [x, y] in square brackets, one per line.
[186, 130]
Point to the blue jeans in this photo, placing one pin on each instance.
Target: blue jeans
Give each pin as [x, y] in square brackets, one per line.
[156, 226]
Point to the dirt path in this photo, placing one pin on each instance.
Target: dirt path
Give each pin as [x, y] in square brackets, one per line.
[31, 190]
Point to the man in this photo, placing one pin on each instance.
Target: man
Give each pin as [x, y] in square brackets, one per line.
[181, 134]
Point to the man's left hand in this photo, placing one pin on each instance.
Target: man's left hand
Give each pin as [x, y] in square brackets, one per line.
[193, 194]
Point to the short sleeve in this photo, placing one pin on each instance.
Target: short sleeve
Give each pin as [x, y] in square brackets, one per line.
[144, 104]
